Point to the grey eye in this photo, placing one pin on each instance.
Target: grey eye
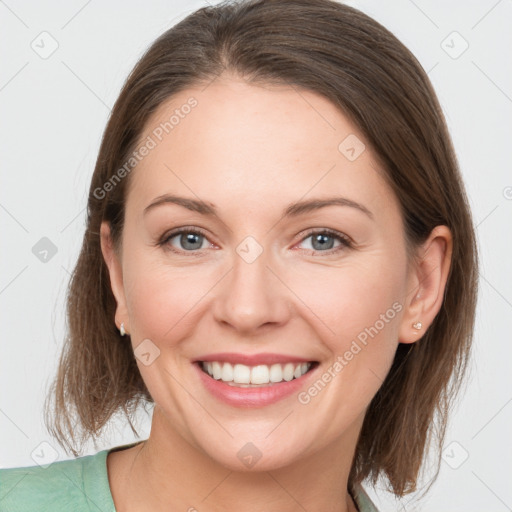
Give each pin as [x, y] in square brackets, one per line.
[188, 240]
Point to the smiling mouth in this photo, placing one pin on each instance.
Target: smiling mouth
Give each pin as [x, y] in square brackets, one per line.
[241, 375]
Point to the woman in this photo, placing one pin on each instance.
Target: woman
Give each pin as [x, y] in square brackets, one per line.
[279, 256]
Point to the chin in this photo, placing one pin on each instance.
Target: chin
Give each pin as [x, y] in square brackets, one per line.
[253, 458]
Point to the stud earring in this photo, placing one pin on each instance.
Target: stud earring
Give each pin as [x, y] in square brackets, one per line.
[121, 330]
[417, 325]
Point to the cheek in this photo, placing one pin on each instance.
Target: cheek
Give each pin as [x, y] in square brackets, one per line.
[349, 300]
[161, 303]
[359, 310]
[362, 312]
[163, 307]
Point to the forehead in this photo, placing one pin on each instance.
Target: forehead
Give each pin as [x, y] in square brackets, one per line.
[261, 144]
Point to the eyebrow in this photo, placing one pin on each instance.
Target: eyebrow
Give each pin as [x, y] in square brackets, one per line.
[292, 210]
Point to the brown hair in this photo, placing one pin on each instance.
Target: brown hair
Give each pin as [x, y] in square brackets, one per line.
[358, 65]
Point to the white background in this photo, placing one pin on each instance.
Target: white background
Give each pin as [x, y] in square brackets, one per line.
[53, 112]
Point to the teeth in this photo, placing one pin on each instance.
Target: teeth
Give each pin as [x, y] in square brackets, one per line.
[260, 374]
[241, 374]
[217, 370]
[288, 372]
[227, 372]
[276, 373]
[254, 375]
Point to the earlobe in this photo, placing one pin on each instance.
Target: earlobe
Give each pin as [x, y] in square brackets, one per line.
[427, 283]
[114, 266]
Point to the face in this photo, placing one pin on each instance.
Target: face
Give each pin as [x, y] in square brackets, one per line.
[248, 279]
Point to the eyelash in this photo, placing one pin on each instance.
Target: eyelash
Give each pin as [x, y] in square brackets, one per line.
[346, 242]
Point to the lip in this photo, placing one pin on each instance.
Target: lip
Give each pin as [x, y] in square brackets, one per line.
[253, 397]
[252, 359]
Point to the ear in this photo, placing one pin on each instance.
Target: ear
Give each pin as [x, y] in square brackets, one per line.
[426, 284]
[113, 263]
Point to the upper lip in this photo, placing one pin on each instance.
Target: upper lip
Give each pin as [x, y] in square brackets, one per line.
[252, 359]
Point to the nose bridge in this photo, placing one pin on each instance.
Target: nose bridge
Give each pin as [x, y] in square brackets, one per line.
[252, 295]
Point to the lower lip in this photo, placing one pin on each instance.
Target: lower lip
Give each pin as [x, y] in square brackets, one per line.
[252, 397]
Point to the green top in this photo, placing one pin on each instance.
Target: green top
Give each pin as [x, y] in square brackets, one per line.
[76, 485]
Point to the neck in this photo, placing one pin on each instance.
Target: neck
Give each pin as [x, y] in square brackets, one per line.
[167, 472]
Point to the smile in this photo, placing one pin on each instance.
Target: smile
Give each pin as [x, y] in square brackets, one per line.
[263, 379]
[241, 375]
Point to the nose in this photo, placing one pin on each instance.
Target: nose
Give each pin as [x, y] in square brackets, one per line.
[252, 296]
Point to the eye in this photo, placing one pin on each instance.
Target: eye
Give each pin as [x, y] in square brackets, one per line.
[192, 241]
[324, 240]
[184, 240]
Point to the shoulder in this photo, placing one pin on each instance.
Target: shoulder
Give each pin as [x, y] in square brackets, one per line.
[79, 484]
[363, 501]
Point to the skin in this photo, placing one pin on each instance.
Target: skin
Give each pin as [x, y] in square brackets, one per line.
[251, 151]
